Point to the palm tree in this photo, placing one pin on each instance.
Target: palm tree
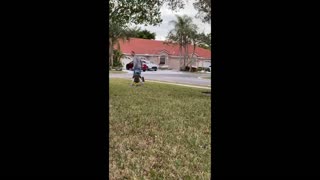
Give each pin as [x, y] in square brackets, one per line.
[117, 55]
[182, 34]
[194, 37]
[117, 32]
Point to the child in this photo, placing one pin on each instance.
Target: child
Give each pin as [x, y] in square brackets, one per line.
[136, 78]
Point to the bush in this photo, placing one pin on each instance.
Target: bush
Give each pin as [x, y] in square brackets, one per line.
[117, 63]
[203, 69]
[116, 59]
[199, 68]
[192, 70]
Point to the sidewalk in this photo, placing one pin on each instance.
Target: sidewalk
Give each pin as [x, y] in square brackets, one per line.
[178, 84]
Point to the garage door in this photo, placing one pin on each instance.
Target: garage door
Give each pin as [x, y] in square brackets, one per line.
[125, 61]
[206, 63]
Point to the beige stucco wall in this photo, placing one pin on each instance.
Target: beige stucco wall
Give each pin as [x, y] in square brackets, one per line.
[174, 63]
[202, 63]
[153, 59]
[171, 62]
[128, 58]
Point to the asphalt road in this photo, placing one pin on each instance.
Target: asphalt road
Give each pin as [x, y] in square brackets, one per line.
[170, 76]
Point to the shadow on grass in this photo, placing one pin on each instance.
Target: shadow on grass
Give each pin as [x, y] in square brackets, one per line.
[208, 93]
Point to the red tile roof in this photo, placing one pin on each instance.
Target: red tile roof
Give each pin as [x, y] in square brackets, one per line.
[146, 46]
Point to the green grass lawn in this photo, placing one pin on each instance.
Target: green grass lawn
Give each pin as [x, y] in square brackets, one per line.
[158, 131]
[117, 72]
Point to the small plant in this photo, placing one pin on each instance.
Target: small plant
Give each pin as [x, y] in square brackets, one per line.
[117, 59]
[117, 64]
[192, 70]
[207, 69]
[200, 69]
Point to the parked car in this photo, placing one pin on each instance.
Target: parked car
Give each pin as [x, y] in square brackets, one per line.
[150, 65]
[130, 65]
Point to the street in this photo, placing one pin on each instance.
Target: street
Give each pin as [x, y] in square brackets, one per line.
[170, 76]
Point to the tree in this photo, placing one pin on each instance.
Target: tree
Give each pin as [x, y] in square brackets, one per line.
[182, 34]
[195, 40]
[116, 33]
[117, 57]
[145, 34]
[205, 40]
[124, 12]
[140, 11]
[204, 10]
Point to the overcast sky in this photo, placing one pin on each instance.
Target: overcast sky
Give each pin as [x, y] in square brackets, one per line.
[168, 15]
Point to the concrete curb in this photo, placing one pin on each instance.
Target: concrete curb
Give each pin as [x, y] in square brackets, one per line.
[202, 78]
[186, 85]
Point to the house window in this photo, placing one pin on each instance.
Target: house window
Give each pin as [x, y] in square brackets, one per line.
[162, 60]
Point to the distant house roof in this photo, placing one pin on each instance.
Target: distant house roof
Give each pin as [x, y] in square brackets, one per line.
[146, 46]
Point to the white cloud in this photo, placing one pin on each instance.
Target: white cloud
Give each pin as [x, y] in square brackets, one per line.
[168, 15]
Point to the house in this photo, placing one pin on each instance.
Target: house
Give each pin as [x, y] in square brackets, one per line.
[166, 56]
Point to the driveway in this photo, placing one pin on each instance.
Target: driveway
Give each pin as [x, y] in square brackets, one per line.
[171, 76]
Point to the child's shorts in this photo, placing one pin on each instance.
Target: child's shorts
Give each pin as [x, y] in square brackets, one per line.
[137, 71]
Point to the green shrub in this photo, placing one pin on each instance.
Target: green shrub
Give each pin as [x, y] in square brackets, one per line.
[192, 70]
[117, 55]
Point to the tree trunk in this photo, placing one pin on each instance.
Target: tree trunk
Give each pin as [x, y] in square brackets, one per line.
[180, 51]
[187, 54]
[194, 49]
[185, 57]
[110, 53]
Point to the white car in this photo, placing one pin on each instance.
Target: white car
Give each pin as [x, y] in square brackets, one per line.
[150, 65]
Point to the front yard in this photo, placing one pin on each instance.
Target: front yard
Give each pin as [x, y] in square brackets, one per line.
[158, 131]
[117, 72]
